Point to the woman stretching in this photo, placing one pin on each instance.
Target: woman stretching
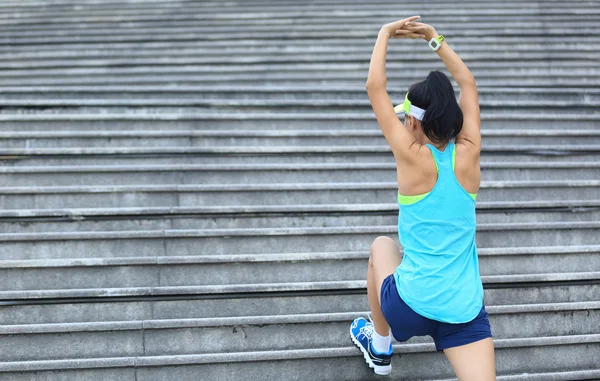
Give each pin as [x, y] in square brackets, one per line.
[435, 289]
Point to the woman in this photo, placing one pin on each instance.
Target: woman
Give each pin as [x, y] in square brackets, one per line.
[435, 289]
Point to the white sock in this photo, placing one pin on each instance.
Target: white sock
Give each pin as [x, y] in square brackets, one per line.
[381, 344]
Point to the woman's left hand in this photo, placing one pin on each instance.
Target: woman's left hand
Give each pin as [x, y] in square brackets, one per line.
[397, 29]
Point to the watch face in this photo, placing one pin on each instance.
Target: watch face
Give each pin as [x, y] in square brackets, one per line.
[434, 44]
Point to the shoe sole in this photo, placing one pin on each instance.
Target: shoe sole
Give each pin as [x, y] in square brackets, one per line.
[380, 370]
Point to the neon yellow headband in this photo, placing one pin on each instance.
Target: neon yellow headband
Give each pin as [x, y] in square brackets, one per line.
[409, 109]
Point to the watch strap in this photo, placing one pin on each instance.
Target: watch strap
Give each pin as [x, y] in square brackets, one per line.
[436, 42]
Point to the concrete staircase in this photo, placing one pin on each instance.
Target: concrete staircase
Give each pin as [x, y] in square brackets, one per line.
[189, 189]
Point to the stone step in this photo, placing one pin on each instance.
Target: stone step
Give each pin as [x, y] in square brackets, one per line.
[304, 155]
[340, 363]
[273, 173]
[359, 77]
[147, 15]
[177, 4]
[461, 42]
[186, 242]
[290, 71]
[146, 10]
[355, 46]
[191, 73]
[117, 369]
[188, 73]
[274, 216]
[249, 300]
[229, 290]
[218, 24]
[190, 109]
[366, 25]
[26, 143]
[281, 155]
[591, 374]
[227, 11]
[364, 17]
[257, 333]
[97, 93]
[175, 271]
[102, 24]
[352, 92]
[551, 31]
[154, 106]
[64, 104]
[262, 121]
[187, 92]
[184, 85]
[79, 58]
[166, 195]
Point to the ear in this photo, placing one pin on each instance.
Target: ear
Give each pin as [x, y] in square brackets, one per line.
[411, 122]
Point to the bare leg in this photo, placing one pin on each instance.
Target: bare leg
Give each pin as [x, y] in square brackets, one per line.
[473, 362]
[385, 258]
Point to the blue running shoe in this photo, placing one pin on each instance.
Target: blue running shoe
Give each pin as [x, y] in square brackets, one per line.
[361, 333]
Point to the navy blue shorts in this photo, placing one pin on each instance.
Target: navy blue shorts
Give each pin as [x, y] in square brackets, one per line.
[406, 323]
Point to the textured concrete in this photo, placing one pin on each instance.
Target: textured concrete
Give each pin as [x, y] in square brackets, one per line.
[222, 335]
[524, 149]
[185, 242]
[51, 122]
[496, 281]
[289, 155]
[111, 142]
[106, 105]
[276, 268]
[342, 363]
[184, 78]
[255, 304]
[285, 240]
[197, 195]
[275, 216]
[274, 173]
[74, 374]
[555, 376]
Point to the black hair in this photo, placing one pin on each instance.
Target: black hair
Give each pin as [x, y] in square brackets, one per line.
[443, 117]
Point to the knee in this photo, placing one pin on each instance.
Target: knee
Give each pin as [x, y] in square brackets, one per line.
[379, 246]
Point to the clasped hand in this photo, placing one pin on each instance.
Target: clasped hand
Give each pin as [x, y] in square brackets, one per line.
[409, 28]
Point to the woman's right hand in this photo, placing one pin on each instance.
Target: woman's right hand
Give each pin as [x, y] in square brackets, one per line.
[421, 28]
[398, 29]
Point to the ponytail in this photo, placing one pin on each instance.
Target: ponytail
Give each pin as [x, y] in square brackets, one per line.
[443, 118]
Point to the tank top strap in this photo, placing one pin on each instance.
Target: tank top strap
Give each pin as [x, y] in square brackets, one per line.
[443, 159]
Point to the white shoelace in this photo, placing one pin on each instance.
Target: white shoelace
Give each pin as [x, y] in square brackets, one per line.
[368, 329]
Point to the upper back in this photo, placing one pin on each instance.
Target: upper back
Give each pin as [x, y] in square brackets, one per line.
[419, 175]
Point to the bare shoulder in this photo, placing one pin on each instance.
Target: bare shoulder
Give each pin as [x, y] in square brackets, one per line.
[467, 166]
[418, 157]
[417, 171]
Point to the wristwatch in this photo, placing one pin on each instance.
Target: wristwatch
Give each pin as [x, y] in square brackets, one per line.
[436, 42]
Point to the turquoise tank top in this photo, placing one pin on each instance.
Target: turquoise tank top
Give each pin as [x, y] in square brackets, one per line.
[439, 274]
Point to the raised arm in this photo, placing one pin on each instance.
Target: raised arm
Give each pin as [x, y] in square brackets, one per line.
[399, 139]
[470, 134]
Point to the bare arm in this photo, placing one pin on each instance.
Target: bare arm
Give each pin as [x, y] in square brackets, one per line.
[396, 135]
[469, 99]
